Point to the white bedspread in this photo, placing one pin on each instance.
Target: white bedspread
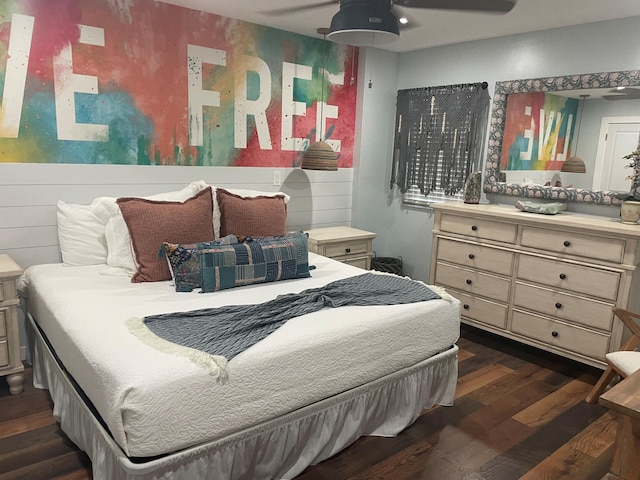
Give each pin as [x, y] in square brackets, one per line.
[154, 403]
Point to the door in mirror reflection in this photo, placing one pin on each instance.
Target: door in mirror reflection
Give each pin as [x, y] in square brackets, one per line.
[618, 137]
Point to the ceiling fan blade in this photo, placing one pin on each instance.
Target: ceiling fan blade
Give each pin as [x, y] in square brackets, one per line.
[498, 6]
[623, 96]
[299, 8]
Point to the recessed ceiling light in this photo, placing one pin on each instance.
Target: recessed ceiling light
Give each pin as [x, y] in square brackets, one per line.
[403, 20]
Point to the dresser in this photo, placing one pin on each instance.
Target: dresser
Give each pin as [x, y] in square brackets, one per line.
[345, 244]
[545, 280]
[10, 360]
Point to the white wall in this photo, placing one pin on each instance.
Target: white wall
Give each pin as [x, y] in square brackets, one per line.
[29, 193]
[598, 47]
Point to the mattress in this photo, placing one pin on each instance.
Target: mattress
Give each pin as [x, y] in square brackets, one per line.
[154, 403]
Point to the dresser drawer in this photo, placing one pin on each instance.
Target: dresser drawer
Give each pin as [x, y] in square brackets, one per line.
[564, 306]
[568, 276]
[345, 248]
[482, 310]
[476, 256]
[589, 246]
[4, 353]
[479, 228]
[473, 282]
[561, 335]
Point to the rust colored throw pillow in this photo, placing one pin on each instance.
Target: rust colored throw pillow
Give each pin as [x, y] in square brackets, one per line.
[152, 222]
[251, 216]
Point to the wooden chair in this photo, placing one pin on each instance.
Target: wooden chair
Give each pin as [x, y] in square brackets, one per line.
[622, 362]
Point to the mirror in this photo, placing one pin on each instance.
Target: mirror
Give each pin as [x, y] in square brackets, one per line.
[586, 188]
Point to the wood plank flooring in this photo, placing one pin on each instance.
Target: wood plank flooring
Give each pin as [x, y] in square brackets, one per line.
[519, 414]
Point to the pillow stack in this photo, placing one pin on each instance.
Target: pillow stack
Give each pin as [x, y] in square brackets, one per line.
[199, 237]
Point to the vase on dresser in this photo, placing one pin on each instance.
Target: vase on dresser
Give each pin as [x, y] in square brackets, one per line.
[630, 211]
[472, 188]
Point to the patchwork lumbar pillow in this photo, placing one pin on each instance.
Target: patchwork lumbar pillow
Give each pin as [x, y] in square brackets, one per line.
[254, 261]
[151, 223]
[184, 262]
[261, 216]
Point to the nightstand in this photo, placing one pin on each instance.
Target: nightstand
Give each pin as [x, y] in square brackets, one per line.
[10, 361]
[345, 244]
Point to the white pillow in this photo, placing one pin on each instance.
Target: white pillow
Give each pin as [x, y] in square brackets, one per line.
[120, 256]
[243, 193]
[81, 235]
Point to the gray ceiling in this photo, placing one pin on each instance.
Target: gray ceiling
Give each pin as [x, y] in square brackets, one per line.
[432, 27]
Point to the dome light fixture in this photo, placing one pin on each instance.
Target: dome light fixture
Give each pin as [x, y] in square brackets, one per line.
[363, 23]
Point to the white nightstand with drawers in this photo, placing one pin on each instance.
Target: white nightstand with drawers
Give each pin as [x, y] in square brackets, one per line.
[10, 361]
[345, 244]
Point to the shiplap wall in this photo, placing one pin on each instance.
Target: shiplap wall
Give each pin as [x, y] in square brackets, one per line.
[29, 193]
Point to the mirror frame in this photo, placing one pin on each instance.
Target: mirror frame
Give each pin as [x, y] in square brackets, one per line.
[625, 78]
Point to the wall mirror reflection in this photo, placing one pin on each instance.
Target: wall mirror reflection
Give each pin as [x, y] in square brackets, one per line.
[540, 127]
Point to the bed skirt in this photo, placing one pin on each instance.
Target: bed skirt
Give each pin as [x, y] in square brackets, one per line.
[279, 448]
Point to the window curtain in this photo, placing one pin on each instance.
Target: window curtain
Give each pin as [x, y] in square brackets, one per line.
[439, 137]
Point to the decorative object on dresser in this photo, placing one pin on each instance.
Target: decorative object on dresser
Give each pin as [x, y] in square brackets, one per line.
[544, 208]
[548, 281]
[473, 188]
[630, 207]
[10, 361]
[345, 244]
[630, 212]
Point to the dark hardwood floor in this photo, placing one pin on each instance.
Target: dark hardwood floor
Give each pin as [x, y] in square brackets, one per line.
[519, 414]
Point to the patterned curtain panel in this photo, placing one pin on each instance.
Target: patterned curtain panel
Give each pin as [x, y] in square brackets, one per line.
[439, 137]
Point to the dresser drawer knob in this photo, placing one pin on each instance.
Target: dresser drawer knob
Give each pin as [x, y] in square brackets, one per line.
[472, 256]
[562, 276]
[469, 282]
[466, 306]
[558, 305]
[554, 334]
[567, 243]
[348, 250]
[474, 228]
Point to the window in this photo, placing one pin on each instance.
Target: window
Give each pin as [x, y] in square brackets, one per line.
[439, 140]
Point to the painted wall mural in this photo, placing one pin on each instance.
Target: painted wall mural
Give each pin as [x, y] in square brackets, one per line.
[538, 131]
[147, 83]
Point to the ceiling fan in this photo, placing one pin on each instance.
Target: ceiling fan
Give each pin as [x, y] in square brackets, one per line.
[374, 22]
[623, 93]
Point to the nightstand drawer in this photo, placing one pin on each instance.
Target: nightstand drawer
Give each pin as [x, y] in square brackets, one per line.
[8, 293]
[3, 322]
[360, 262]
[589, 246]
[346, 248]
[564, 306]
[474, 227]
[561, 335]
[569, 276]
[482, 310]
[4, 353]
[476, 256]
[473, 282]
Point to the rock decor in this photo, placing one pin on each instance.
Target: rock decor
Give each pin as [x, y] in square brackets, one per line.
[492, 182]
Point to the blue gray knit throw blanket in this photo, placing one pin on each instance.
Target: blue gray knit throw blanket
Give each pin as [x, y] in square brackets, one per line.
[222, 333]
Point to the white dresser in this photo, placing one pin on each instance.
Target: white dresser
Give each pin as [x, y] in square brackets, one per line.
[545, 280]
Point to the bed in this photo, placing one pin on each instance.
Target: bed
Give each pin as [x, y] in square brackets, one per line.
[306, 391]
